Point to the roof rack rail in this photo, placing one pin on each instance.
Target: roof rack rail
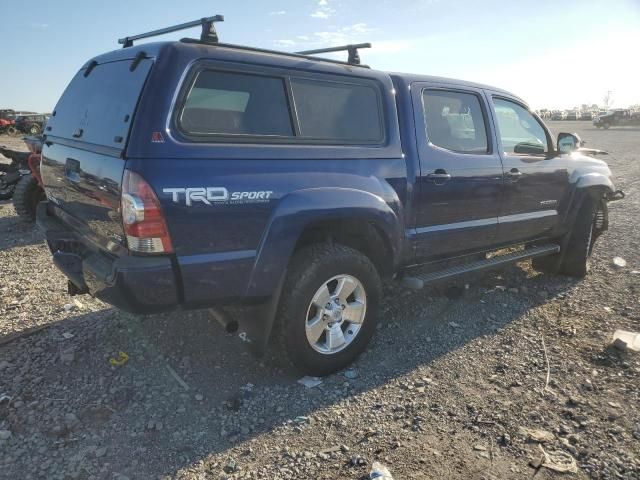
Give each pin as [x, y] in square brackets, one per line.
[208, 35]
[354, 57]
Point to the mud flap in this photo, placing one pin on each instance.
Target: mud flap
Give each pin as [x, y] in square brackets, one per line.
[255, 323]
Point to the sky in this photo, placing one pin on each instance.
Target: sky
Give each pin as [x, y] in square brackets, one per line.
[552, 54]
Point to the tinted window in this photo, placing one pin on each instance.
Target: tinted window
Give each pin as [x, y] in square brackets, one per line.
[337, 111]
[455, 121]
[100, 104]
[519, 131]
[236, 104]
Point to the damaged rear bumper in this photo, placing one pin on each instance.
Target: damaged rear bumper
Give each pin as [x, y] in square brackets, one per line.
[134, 284]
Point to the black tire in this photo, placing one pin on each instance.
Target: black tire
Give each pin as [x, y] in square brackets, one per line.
[575, 262]
[606, 125]
[6, 191]
[34, 129]
[310, 269]
[12, 131]
[26, 197]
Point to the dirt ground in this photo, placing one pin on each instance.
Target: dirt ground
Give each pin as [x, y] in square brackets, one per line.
[452, 386]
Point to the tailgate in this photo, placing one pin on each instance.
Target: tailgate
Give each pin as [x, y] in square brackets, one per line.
[82, 159]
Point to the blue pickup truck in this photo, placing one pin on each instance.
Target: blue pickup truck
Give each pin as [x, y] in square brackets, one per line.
[197, 174]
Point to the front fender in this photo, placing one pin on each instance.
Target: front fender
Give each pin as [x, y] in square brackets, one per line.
[595, 179]
[302, 208]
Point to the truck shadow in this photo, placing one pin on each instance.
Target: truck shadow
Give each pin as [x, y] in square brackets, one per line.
[187, 390]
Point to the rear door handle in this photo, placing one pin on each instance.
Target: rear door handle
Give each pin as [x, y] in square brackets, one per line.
[439, 176]
[514, 174]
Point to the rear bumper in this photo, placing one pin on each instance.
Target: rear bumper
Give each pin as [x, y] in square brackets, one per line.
[134, 284]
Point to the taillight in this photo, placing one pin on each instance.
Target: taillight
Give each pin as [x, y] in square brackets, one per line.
[142, 217]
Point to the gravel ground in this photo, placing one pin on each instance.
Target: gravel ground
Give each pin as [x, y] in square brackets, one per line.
[452, 386]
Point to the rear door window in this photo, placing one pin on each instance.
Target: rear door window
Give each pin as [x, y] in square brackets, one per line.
[224, 103]
[98, 108]
[336, 111]
[455, 121]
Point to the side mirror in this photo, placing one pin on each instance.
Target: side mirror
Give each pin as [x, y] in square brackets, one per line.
[569, 142]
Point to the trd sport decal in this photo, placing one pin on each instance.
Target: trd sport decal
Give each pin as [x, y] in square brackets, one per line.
[216, 195]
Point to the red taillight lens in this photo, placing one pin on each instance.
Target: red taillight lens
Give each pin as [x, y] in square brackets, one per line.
[142, 216]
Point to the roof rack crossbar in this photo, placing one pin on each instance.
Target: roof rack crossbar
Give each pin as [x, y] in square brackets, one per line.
[208, 34]
[354, 57]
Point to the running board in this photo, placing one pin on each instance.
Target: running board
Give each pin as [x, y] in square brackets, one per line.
[420, 280]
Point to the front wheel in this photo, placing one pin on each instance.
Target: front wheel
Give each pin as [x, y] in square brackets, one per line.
[328, 307]
[606, 125]
[575, 262]
[34, 129]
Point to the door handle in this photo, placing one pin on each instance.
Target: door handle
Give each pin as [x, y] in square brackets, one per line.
[439, 176]
[514, 173]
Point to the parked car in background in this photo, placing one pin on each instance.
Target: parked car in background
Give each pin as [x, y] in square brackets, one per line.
[572, 115]
[32, 124]
[544, 113]
[586, 115]
[557, 115]
[620, 117]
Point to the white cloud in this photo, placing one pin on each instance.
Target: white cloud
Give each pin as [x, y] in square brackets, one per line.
[323, 11]
[349, 34]
[278, 12]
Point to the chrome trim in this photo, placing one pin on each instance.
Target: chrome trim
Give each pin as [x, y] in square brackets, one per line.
[485, 222]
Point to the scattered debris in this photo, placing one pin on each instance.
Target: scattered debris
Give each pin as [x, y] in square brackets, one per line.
[534, 435]
[378, 470]
[231, 466]
[351, 374]
[5, 434]
[619, 262]
[558, 461]
[310, 382]
[121, 360]
[67, 335]
[625, 340]
[177, 378]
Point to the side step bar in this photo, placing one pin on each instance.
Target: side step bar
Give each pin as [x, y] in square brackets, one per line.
[421, 279]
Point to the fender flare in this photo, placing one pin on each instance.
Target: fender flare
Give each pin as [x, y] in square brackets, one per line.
[587, 184]
[595, 179]
[302, 208]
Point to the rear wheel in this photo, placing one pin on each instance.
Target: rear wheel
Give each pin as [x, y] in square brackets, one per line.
[34, 129]
[328, 307]
[12, 131]
[606, 125]
[26, 197]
